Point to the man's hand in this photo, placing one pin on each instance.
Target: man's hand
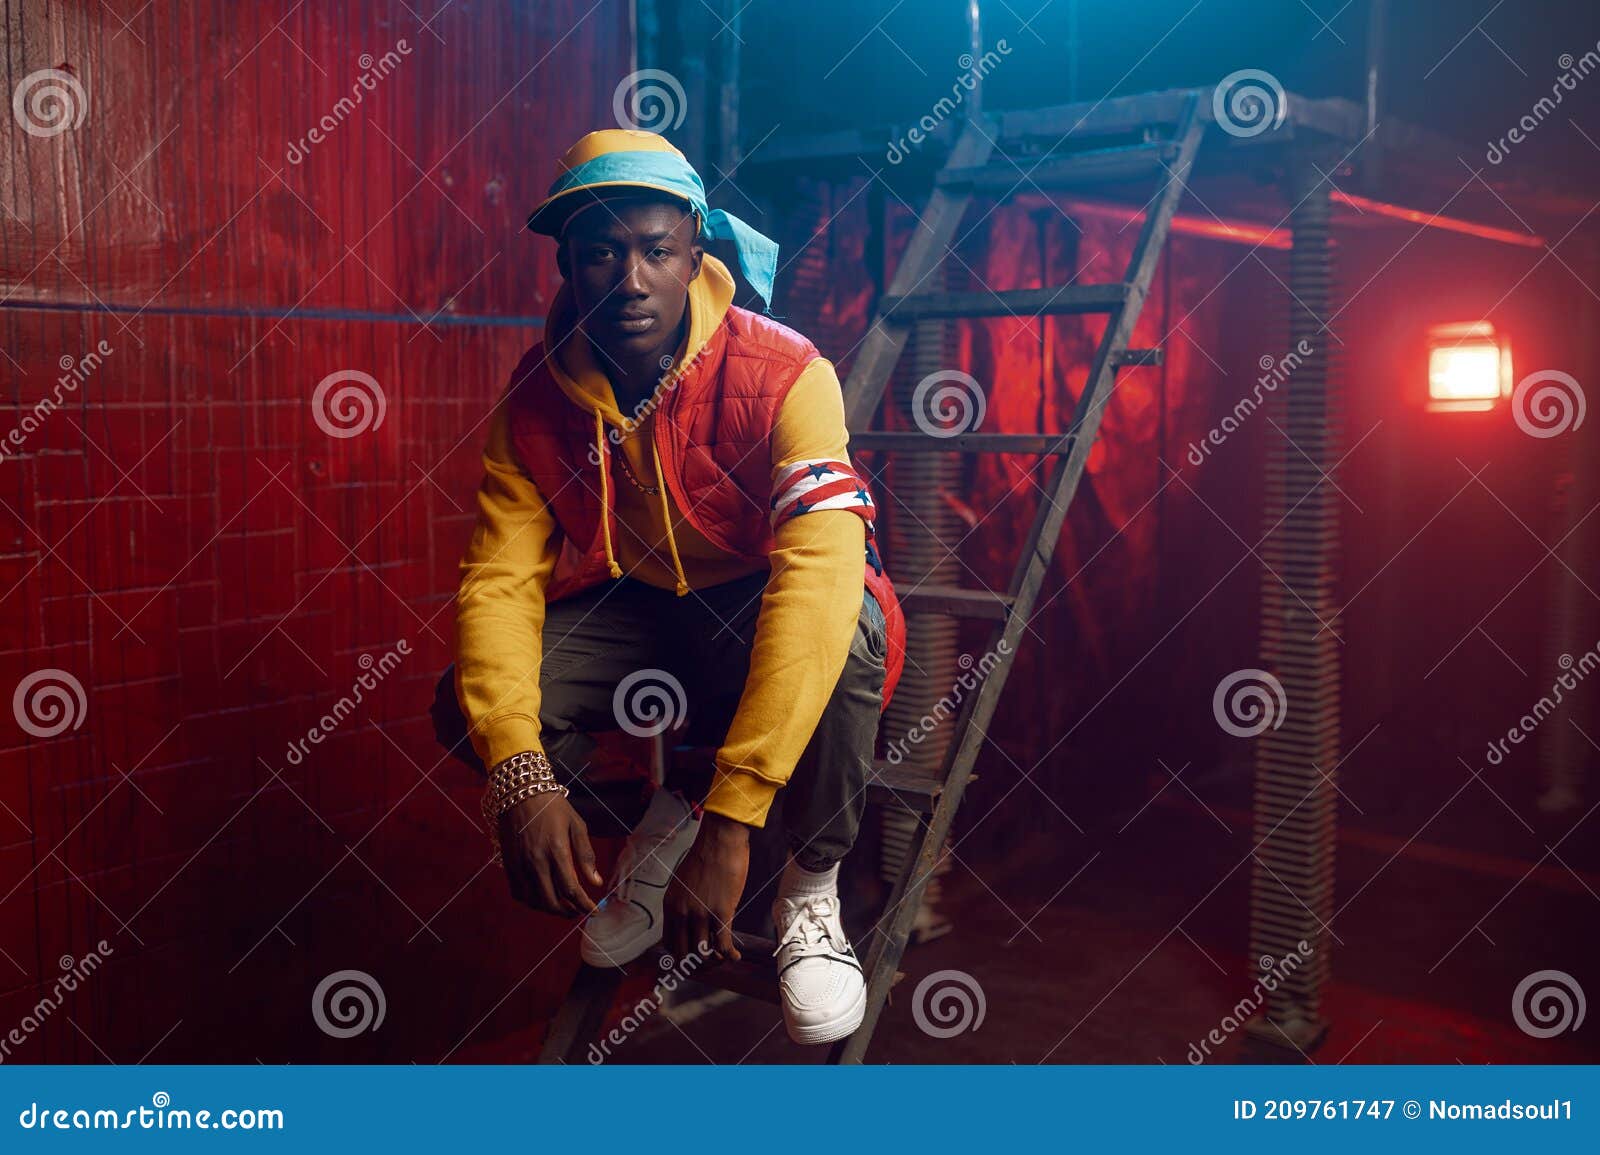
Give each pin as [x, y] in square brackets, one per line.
[706, 889]
[540, 838]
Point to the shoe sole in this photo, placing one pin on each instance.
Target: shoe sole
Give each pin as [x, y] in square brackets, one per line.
[623, 955]
[615, 959]
[834, 1029]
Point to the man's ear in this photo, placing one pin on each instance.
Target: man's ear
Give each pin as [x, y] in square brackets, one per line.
[561, 259]
[695, 255]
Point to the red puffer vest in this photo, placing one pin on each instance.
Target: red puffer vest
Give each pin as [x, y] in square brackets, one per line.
[711, 431]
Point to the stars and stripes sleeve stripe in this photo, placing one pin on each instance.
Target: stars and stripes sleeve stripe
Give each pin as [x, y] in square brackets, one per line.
[811, 485]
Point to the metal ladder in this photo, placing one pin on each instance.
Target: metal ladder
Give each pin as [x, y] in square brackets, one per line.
[965, 172]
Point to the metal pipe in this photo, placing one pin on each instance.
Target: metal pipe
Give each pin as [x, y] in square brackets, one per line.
[1372, 151]
[974, 104]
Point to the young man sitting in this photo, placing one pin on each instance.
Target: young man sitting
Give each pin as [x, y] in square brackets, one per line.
[668, 504]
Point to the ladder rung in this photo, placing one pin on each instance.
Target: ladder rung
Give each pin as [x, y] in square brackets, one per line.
[1101, 164]
[905, 787]
[1132, 357]
[909, 441]
[957, 601]
[751, 976]
[754, 949]
[1061, 299]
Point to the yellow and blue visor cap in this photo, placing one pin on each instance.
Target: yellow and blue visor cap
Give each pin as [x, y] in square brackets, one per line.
[620, 159]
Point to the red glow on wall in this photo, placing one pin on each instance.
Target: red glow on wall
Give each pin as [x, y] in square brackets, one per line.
[1438, 221]
[1188, 225]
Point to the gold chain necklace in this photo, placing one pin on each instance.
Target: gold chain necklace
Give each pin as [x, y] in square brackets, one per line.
[622, 456]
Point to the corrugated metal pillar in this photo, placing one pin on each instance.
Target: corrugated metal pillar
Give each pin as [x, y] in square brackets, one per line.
[1291, 881]
[919, 542]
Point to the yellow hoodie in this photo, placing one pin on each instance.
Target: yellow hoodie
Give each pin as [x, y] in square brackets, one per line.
[808, 610]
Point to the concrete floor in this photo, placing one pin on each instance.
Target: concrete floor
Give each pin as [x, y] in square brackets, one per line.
[1140, 955]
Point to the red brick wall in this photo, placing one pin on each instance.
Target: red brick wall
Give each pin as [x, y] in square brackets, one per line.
[185, 540]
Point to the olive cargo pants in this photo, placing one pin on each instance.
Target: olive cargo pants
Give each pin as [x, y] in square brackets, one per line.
[595, 640]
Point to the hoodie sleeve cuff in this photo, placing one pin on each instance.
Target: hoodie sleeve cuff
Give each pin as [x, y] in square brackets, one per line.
[500, 738]
[740, 795]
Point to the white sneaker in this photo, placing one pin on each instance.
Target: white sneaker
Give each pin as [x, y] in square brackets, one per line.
[822, 989]
[629, 919]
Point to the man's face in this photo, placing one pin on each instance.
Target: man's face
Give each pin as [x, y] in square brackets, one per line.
[630, 263]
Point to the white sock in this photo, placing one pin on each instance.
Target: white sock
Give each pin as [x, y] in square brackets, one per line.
[798, 882]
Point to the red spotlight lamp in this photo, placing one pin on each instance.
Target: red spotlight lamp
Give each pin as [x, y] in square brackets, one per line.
[1469, 367]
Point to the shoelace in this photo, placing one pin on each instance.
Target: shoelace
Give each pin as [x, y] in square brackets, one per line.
[806, 929]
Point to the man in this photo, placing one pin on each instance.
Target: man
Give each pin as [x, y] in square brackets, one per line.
[668, 508]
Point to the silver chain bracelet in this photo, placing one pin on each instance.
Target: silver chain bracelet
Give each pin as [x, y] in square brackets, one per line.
[515, 780]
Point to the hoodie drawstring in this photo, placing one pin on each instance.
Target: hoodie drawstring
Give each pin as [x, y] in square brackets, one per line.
[605, 493]
[666, 515]
[605, 507]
